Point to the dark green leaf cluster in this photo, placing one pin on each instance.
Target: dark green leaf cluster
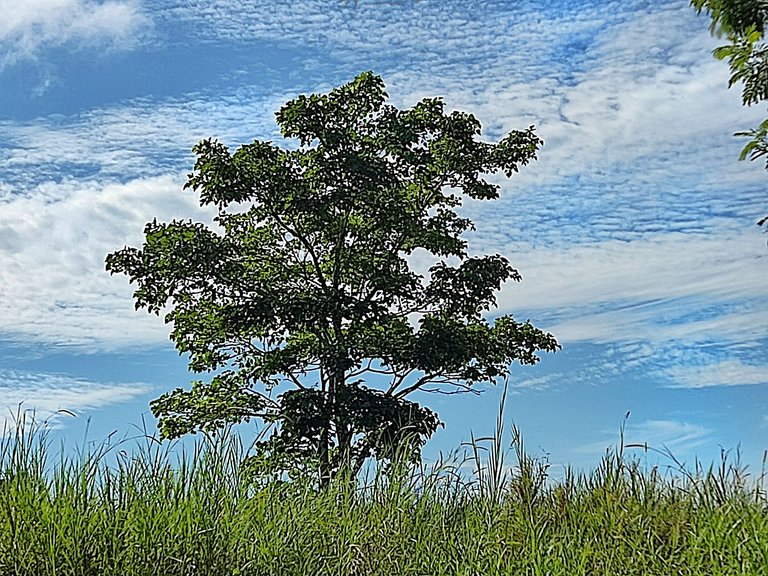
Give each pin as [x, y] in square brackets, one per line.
[734, 16]
[379, 425]
[305, 280]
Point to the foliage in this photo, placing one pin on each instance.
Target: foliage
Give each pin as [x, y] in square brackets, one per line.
[304, 280]
[743, 22]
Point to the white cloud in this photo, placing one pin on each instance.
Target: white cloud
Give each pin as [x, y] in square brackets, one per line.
[644, 105]
[28, 26]
[658, 289]
[670, 433]
[686, 310]
[600, 79]
[47, 396]
[138, 139]
[52, 248]
[518, 383]
[638, 104]
[725, 373]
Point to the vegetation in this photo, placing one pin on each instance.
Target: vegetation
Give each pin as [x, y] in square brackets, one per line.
[304, 281]
[112, 512]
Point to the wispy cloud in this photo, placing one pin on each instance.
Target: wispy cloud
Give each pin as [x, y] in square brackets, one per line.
[681, 438]
[615, 109]
[52, 250]
[667, 286]
[690, 302]
[724, 373]
[47, 395]
[29, 26]
[428, 35]
[139, 138]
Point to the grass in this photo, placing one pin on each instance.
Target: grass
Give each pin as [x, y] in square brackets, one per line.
[159, 511]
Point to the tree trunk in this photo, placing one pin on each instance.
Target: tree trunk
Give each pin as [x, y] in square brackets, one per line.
[324, 456]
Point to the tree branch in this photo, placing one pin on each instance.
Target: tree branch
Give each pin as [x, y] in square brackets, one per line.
[368, 369]
[399, 379]
[295, 379]
[418, 384]
[307, 246]
[460, 389]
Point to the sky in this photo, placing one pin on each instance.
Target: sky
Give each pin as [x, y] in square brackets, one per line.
[634, 230]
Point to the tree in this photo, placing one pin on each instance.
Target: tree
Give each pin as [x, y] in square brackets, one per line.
[303, 283]
[743, 22]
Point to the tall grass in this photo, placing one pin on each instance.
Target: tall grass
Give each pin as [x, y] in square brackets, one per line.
[147, 509]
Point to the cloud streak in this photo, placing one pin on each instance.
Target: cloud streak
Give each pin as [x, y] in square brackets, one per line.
[687, 301]
[47, 396]
[677, 436]
[724, 373]
[33, 25]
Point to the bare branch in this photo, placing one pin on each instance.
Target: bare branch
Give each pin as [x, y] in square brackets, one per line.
[307, 246]
[398, 380]
[369, 369]
[267, 400]
[418, 384]
[459, 389]
[295, 380]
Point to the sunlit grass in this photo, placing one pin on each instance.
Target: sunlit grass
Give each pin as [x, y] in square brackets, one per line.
[147, 509]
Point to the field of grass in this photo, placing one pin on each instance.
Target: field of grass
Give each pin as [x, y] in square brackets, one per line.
[151, 510]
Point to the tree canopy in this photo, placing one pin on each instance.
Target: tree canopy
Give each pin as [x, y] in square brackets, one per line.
[300, 299]
[743, 22]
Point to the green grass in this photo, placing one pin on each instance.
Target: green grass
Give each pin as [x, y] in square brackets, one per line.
[165, 512]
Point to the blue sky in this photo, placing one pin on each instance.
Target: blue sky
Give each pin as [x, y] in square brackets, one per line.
[634, 231]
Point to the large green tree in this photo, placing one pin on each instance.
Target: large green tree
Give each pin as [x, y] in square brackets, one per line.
[743, 24]
[300, 299]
